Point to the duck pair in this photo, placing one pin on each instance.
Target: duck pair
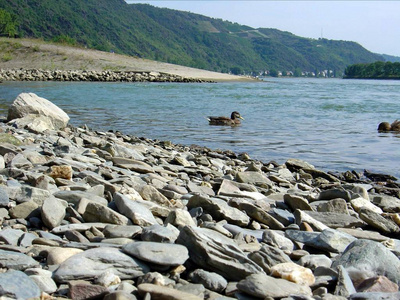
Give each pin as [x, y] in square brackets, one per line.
[386, 126]
[232, 121]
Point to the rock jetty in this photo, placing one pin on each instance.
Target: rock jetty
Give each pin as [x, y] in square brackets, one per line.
[86, 214]
[82, 75]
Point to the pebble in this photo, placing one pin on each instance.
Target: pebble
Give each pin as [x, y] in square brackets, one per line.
[105, 215]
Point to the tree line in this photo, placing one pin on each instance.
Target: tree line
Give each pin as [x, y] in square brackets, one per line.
[376, 70]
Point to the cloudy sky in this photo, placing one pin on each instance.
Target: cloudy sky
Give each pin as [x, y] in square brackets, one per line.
[373, 24]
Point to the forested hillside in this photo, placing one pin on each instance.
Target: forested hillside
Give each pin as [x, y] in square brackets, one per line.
[177, 37]
[376, 70]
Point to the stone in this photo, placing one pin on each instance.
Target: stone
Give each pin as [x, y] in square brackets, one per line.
[210, 280]
[81, 290]
[268, 257]
[219, 209]
[335, 205]
[11, 283]
[11, 236]
[4, 199]
[302, 216]
[294, 273]
[377, 284]
[263, 286]
[336, 220]
[377, 221]
[75, 196]
[150, 193]
[277, 239]
[335, 193]
[132, 164]
[16, 261]
[56, 255]
[165, 293]
[45, 283]
[25, 210]
[364, 259]
[158, 253]
[91, 263]
[344, 286]
[314, 261]
[254, 178]
[217, 253]
[179, 217]
[387, 203]
[136, 212]
[64, 172]
[359, 202]
[124, 231]
[160, 234]
[53, 212]
[30, 104]
[28, 193]
[296, 202]
[96, 212]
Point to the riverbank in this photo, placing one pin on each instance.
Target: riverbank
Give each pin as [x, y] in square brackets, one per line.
[86, 214]
[30, 54]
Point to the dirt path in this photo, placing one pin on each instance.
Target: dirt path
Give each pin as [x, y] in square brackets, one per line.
[36, 54]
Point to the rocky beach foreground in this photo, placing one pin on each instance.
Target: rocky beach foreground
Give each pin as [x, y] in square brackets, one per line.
[103, 215]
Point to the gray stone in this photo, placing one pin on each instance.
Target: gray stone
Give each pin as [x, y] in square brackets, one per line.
[277, 239]
[219, 209]
[254, 178]
[344, 286]
[302, 216]
[314, 261]
[26, 239]
[96, 212]
[269, 256]
[335, 205]
[179, 217]
[25, 210]
[375, 296]
[28, 193]
[11, 236]
[53, 212]
[124, 231]
[45, 283]
[20, 162]
[370, 259]
[377, 221]
[138, 213]
[160, 234]
[210, 280]
[16, 261]
[18, 285]
[296, 202]
[263, 286]
[387, 203]
[336, 220]
[166, 293]
[158, 253]
[4, 199]
[215, 252]
[91, 263]
[75, 196]
[132, 164]
[334, 194]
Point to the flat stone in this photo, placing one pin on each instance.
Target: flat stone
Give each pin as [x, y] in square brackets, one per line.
[96, 212]
[158, 253]
[25, 210]
[269, 256]
[263, 286]
[136, 212]
[179, 217]
[378, 284]
[359, 203]
[296, 202]
[11, 236]
[160, 234]
[53, 212]
[11, 283]
[132, 164]
[217, 253]
[387, 203]
[210, 280]
[165, 293]
[124, 231]
[371, 259]
[16, 261]
[56, 255]
[377, 221]
[294, 273]
[75, 196]
[219, 209]
[336, 220]
[91, 263]
[4, 199]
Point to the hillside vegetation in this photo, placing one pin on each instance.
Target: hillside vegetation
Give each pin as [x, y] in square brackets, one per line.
[376, 70]
[176, 37]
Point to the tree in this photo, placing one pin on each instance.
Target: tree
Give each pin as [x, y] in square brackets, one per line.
[236, 71]
[8, 24]
[273, 73]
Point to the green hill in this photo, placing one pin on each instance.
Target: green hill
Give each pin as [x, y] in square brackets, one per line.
[176, 37]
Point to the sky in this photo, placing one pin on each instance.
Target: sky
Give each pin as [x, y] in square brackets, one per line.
[373, 24]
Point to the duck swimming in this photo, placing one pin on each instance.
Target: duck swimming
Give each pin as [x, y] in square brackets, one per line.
[385, 126]
[232, 121]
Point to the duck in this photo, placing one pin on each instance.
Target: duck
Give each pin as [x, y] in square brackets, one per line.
[385, 126]
[232, 121]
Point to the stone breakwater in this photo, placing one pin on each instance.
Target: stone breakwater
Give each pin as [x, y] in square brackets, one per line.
[103, 215]
[82, 75]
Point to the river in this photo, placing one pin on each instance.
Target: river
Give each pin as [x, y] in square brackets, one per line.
[330, 123]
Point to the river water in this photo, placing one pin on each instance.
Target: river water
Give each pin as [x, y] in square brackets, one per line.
[330, 123]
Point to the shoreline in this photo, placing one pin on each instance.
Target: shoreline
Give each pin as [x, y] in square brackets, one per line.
[121, 216]
[36, 54]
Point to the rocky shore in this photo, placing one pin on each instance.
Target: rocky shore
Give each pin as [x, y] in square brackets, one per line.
[103, 215]
[83, 75]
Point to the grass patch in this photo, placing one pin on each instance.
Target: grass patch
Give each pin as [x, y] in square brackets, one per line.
[6, 57]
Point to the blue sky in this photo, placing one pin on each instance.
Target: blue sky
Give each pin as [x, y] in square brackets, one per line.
[373, 24]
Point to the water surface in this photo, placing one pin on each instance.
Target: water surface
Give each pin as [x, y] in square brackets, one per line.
[330, 123]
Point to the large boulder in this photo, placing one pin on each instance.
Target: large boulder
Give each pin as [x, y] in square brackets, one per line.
[37, 113]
